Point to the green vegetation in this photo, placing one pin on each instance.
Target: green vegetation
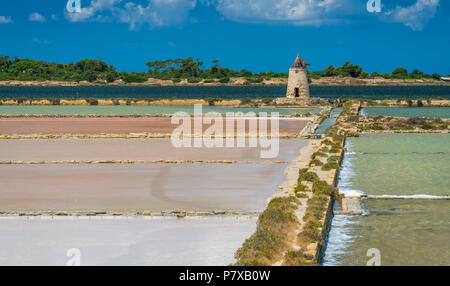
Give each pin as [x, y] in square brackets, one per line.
[92, 101]
[301, 188]
[316, 162]
[402, 124]
[296, 258]
[271, 236]
[330, 166]
[245, 101]
[372, 127]
[25, 69]
[305, 175]
[194, 71]
[427, 127]
[318, 154]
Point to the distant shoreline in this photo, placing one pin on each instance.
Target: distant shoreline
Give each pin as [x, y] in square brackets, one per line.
[324, 81]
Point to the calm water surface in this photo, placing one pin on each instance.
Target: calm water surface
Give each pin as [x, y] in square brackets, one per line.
[228, 92]
[329, 121]
[153, 241]
[408, 230]
[139, 110]
[397, 164]
[433, 112]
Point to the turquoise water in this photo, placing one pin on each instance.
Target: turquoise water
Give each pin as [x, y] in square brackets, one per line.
[329, 121]
[433, 112]
[406, 232]
[138, 110]
[409, 228]
[400, 143]
[397, 164]
[370, 92]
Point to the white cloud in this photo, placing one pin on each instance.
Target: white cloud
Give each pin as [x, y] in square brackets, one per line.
[414, 16]
[4, 20]
[160, 13]
[156, 13]
[298, 12]
[36, 17]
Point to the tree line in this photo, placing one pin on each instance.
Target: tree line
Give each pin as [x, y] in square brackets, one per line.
[193, 70]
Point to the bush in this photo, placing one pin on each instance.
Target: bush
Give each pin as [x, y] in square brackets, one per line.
[316, 207]
[322, 188]
[267, 101]
[296, 258]
[301, 188]
[270, 237]
[194, 80]
[416, 121]
[334, 150]
[245, 101]
[134, 77]
[372, 127]
[92, 101]
[56, 101]
[212, 101]
[224, 80]
[324, 149]
[319, 187]
[311, 231]
[330, 166]
[301, 195]
[316, 162]
[333, 159]
[91, 77]
[21, 100]
[307, 176]
[427, 127]
[318, 154]
[112, 76]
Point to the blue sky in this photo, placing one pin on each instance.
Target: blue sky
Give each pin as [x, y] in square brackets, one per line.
[259, 35]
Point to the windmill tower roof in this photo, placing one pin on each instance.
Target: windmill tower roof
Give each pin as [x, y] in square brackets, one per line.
[297, 61]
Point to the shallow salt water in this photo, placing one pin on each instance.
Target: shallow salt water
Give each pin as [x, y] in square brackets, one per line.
[244, 185]
[433, 112]
[408, 231]
[124, 241]
[329, 121]
[391, 164]
[138, 110]
[129, 187]
[134, 149]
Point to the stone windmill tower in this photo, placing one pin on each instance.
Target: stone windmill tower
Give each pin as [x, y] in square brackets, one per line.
[298, 86]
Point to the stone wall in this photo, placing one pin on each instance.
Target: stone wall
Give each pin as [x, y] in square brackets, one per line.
[298, 78]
